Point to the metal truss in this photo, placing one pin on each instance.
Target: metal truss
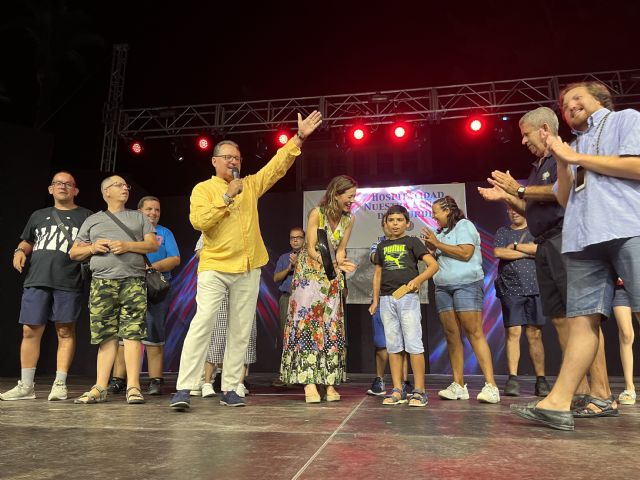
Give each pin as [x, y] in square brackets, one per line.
[112, 107]
[431, 104]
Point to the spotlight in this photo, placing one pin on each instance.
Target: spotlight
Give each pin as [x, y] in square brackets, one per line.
[176, 152]
[136, 147]
[358, 133]
[203, 143]
[282, 138]
[475, 124]
[400, 131]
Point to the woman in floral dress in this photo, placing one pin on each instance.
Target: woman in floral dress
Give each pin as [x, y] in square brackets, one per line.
[314, 337]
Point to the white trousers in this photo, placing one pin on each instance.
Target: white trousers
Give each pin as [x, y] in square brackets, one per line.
[243, 297]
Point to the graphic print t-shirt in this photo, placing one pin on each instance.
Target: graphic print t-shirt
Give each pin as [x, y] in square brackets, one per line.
[50, 265]
[399, 261]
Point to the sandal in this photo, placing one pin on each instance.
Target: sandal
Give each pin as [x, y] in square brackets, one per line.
[605, 406]
[580, 401]
[88, 398]
[397, 397]
[418, 399]
[134, 398]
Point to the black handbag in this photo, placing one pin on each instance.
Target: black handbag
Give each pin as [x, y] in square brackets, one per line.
[157, 285]
[85, 270]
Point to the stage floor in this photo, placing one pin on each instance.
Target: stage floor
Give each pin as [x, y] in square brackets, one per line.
[278, 436]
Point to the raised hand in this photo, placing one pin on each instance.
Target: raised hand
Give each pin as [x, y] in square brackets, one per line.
[560, 150]
[307, 126]
[430, 239]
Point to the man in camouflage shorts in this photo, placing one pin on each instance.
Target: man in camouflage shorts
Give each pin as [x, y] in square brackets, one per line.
[118, 296]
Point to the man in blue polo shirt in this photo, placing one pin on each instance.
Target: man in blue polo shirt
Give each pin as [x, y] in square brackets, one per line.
[599, 183]
[283, 275]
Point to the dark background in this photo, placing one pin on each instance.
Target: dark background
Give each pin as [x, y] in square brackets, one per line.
[56, 59]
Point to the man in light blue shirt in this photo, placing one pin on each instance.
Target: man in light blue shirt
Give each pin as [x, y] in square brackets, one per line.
[599, 183]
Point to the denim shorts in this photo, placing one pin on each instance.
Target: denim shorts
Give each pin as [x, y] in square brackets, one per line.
[592, 275]
[42, 304]
[378, 330]
[156, 319]
[621, 297]
[401, 320]
[466, 297]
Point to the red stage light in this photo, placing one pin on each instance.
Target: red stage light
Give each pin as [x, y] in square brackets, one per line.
[475, 125]
[136, 147]
[283, 138]
[399, 132]
[203, 143]
[358, 133]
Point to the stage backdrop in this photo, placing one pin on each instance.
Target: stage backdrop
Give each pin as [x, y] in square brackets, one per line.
[370, 206]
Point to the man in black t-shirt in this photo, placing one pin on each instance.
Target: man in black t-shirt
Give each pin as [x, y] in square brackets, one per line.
[52, 287]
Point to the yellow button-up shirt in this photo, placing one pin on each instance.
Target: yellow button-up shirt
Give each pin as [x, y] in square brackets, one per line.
[232, 239]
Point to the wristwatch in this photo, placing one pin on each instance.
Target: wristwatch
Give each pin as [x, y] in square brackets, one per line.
[515, 245]
[227, 199]
[300, 135]
[19, 249]
[521, 192]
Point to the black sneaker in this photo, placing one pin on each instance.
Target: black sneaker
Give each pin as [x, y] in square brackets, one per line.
[117, 385]
[512, 388]
[407, 388]
[155, 386]
[217, 382]
[377, 387]
[542, 387]
[181, 400]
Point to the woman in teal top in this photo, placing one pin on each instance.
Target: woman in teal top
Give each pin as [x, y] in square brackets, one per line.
[459, 296]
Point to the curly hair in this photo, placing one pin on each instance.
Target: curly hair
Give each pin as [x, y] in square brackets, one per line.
[454, 214]
[337, 186]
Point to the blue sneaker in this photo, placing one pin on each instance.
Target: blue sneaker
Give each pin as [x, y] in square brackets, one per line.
[180, 400]
[407, 388]
[377, 387]
[231, 399]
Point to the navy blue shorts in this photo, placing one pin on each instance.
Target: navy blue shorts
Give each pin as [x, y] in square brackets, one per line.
[378, 330]
[521, 310]
[42, 304]
[156, 320]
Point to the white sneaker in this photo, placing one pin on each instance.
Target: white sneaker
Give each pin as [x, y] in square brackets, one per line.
[58, 391]
[489, 394]
[242, 390]
[627, 397]
[207, 390]
[454, 391]
[20, 392]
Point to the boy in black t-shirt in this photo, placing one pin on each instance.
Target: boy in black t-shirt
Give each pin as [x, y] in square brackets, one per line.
[397, 270]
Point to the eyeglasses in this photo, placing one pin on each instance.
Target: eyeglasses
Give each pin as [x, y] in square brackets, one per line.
[296, 238]
[228, 158]
[57, 183]
[120, 185]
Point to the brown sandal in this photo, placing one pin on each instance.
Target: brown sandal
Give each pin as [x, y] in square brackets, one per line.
[134, 398]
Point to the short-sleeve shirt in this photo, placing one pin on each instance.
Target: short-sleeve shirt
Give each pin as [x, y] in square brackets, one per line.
[515, 277]
[608, 207]
[283, 261]
[458, 272]
[399, 261]
[50, 265]
[108, 265]
[543, 216]
[374, 247]
[167, 247]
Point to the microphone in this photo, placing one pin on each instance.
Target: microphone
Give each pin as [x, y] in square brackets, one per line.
[235, 173]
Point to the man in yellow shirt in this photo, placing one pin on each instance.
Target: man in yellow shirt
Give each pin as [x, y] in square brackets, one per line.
[225, 210]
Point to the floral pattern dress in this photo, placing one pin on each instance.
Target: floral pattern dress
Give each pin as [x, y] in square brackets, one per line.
[314, 337]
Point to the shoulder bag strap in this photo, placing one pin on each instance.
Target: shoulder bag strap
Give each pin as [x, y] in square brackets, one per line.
[128, 231]
[61, 226]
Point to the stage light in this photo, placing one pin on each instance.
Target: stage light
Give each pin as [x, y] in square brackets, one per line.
[400, 131]
[203, 143]
[358, 133]
[282, 138]
[136, 147]
[475, 124]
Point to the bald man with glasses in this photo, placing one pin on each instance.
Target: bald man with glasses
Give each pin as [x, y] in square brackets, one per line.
[52, 286]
